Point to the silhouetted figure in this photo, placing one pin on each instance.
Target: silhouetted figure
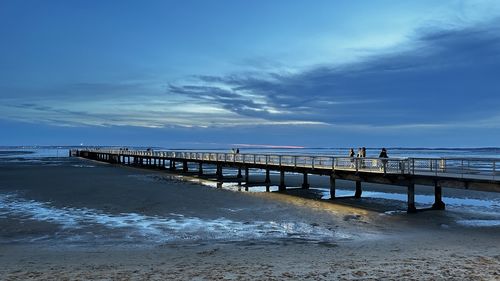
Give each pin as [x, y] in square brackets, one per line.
[237, 150]
[363, 155]
[383, 153]
[352, 154]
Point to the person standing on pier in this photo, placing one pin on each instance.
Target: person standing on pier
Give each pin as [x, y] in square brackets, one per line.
[351, 155]
[383, 153]
[383, 161]
[363, 155]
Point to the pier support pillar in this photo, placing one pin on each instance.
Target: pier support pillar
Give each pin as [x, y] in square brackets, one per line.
[220, 176]
[267, 181]
[332, 186]
[200, 169]
[185, 166]
[438, 197]
[239, 176]
[172, 167]
[282, 186]
[305, 183]
[411, 199]
[358, 192]
[247, 175]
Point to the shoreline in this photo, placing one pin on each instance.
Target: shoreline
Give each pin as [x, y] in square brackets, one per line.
[378, 245]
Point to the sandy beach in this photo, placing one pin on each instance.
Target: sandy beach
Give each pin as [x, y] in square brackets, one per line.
[74, 219]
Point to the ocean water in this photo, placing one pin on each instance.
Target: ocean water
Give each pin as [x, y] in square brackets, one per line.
[33, 152]
[86, 224]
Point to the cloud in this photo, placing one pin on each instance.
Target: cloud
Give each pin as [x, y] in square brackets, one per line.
[447, 77]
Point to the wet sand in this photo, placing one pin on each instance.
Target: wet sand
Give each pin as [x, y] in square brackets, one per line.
[345, 239]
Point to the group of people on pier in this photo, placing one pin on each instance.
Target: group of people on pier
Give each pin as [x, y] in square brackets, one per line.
[362, 153]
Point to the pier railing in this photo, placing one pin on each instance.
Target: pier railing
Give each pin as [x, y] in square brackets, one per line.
[474, 168]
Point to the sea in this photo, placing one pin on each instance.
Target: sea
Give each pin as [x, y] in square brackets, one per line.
[77, 225]
[34, 152]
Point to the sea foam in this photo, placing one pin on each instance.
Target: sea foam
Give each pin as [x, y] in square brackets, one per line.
[85, 223]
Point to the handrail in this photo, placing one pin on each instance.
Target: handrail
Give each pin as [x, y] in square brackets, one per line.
[480, 168]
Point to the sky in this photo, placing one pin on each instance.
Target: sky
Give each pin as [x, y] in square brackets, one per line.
[201, 74]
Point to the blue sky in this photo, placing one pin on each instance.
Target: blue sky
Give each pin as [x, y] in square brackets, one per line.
[219, 73]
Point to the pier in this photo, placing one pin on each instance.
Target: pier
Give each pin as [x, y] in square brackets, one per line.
[471, 173]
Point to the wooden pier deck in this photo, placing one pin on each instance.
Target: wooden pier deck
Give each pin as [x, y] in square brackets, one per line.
[471, 173]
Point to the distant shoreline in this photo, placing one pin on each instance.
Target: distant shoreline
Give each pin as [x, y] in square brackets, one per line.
[13, 153]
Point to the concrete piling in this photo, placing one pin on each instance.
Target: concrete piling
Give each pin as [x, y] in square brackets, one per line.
[358, 192]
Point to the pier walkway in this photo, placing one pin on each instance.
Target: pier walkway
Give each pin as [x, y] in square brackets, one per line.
[470, 173]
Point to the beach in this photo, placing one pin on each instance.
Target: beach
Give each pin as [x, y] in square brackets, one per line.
[75, 219]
